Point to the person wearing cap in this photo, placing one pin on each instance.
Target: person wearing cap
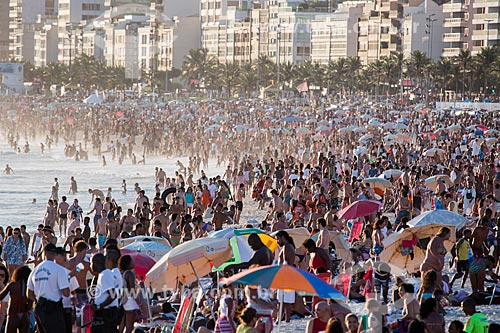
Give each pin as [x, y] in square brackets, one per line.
[105, 298]
[68, 308]
[47, 284]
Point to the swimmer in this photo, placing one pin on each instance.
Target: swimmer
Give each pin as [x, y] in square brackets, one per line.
[8, 170]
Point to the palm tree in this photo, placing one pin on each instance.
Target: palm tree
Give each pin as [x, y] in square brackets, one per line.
[483, 64]
[248, 79]
[195, 64]
[353, 66]
[229, 74]
[445, 70]
[417, 64]
[463, 60]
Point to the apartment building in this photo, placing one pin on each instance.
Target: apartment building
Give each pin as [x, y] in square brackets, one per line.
[46, 39]
[485, 24]
[73, 15]
[23, 16]
[335, 35]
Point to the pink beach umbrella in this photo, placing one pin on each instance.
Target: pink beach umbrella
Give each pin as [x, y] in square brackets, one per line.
[359, 208]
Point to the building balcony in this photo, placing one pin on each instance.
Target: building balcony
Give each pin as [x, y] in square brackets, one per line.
[454, 7]
[455, 23]
[491, 34]
[449, 52]
[452, 37]
[481, 18]
[485, 3]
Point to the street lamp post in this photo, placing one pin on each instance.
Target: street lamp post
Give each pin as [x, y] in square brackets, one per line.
[258, 59]
[487, 31]
[70, 37]
[429, 21]
[278, 42]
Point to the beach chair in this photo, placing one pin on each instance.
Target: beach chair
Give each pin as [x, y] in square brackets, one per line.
[184, 316]
[494, 293]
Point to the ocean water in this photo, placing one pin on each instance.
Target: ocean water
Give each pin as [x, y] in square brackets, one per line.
[34, 175]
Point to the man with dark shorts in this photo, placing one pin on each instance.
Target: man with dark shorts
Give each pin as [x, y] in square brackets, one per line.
[63, 215]
[240, 194]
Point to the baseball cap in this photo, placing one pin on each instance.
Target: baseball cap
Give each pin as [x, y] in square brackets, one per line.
[50, 248]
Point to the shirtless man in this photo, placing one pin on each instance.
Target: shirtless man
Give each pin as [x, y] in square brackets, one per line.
[280, 223]
[324, 235]
[163, 218]
[478, 238]
[332, 221]
[62, 212]
[8, 170]
[79, 268]
[278, 204]
[240, 194]
[100, 230]
[25, 236]
[73, 188]
[176, 207]
[129, 221]
[50, 214]
[219, 217]
[112, 228]
[315, 215]
[96, 193]
[161, 176]
[98, 211]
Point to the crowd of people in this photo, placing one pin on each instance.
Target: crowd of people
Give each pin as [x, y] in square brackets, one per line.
[301, 165]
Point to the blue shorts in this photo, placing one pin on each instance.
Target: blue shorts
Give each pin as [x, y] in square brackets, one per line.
[101, 239]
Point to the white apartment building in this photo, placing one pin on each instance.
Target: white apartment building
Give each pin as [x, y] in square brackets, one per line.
[137, 43]
[458, 23]
[23, 15]
[4, 30]
[73, 15]
[46, 43]
[424, 25]
[486, 23]
[335, 35]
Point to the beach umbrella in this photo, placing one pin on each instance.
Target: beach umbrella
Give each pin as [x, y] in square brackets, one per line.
[188, 262]
[302, 130]
[93, 99]
[126, 241]
[284, 277]
[324, 122]
[155, 250]
[311, 121]
[433, 152]
[299, 235]
[442, 217]
[323, 128]
[392, 173]
[400, 127]
[360, 130]
[432, 182]
[230, 233]
[453, 128]
[365, 137]
[491, 132]
[396, 246]
[389, 126]
[378, 183]
[491, 141]
[142, 261]
[359, 208]
[366, 116]
[239, 128]
[292, 119]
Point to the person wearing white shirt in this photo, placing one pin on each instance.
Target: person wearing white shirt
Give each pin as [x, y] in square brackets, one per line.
[105, 297]
[47, 284]
[67, 303]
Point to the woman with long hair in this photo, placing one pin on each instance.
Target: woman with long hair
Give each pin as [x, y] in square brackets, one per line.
[18, 318]
[14, 252]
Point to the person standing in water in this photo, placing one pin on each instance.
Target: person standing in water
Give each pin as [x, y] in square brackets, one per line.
[8, 170]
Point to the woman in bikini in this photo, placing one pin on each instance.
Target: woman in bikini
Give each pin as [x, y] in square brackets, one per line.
[18, 319]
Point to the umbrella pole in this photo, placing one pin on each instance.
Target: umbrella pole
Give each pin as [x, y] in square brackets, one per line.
[280, 312]
[201, 287]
